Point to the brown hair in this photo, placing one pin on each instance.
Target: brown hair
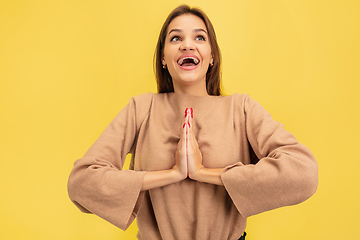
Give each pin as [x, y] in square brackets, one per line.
[213, 75]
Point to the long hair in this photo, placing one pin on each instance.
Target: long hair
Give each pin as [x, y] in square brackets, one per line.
[213, 75]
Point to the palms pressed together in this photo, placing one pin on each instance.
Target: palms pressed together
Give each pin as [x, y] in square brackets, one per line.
[188, 158]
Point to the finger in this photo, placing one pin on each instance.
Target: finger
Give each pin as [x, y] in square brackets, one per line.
[182, 142]
[191, 133]
[190, 116]
[183, 135]
[188, 127]
[184, 130]
[184, 123]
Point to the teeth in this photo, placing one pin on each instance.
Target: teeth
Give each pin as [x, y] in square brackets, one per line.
[196, 61]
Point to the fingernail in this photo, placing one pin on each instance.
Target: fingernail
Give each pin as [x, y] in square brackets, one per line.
[189, 125]
[184, 125]
[191, 111]
[186, 111]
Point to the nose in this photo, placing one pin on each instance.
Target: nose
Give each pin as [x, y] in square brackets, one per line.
[187, 45]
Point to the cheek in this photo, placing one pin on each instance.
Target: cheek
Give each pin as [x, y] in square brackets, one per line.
[206, 53]
[168, 57]
[166, 52]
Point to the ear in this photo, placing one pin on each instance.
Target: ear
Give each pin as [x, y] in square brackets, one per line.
[163, 61]
[211, 60]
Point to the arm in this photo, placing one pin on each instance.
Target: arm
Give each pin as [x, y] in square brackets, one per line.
[286, 173]
[97, 183]
[162, 178]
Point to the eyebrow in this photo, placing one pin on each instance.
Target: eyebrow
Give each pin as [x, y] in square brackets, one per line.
[195, 30]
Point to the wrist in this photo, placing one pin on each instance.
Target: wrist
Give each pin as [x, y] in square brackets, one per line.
[196, 175]
[208, 175]
[156, 179]
[177, 174]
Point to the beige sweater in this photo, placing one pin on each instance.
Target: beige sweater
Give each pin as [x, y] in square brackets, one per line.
[233, 133]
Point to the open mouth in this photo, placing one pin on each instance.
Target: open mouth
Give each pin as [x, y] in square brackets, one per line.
[188, 61]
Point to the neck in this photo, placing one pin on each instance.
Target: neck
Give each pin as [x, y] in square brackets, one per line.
[196, 90]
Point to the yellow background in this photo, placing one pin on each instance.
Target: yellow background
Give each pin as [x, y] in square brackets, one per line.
[67, 67]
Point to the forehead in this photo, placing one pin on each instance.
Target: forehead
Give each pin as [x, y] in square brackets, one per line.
[186, 22]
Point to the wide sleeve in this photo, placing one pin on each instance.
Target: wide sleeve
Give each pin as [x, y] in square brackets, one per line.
[97, 183]
[286, 173]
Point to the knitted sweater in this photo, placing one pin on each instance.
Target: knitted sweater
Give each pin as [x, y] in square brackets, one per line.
[265, 167]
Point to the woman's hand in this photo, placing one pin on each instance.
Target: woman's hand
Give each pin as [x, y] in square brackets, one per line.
[194, 156]
[188, 158]
[181, 166]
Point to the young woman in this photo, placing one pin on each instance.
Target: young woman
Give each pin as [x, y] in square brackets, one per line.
[201, 162]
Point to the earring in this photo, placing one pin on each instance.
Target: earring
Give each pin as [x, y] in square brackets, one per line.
[164, 66]
[212, 63]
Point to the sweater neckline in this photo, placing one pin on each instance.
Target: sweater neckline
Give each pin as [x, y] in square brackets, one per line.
[190, 96]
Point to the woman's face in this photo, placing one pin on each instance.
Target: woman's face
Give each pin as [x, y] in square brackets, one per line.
[187, 51]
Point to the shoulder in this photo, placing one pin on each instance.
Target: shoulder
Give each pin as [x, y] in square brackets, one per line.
[239, 100]
[139, 106]
[241, 97]
[143, 103]
[143, 98]
[245, 105]
[244, 100]
[148, 98]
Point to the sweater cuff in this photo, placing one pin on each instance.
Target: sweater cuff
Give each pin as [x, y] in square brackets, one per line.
[135, 197]
[231, 180]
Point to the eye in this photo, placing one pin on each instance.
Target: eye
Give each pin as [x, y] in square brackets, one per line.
[200, 38]
[175, 39]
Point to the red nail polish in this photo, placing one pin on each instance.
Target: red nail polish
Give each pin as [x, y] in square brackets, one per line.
[191, 111]
[186, 110]
[184, 125]
[189, 125]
